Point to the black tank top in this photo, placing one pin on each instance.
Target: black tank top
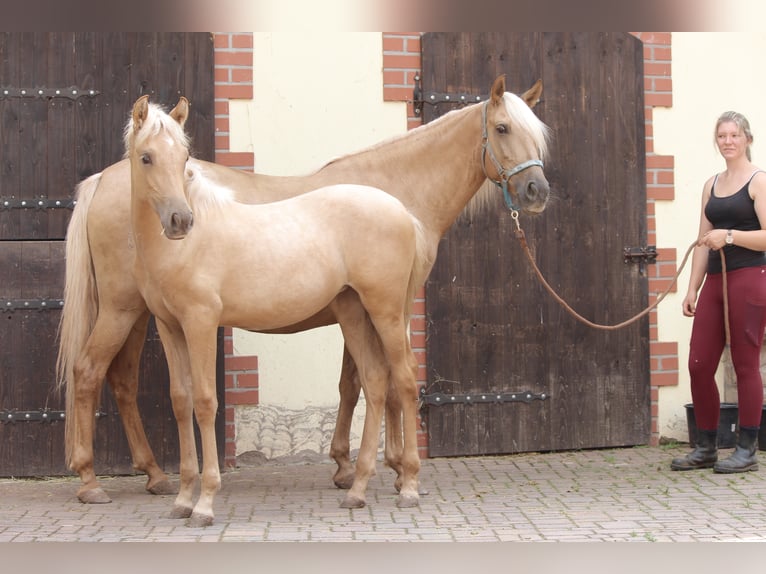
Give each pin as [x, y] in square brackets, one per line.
[736, 211]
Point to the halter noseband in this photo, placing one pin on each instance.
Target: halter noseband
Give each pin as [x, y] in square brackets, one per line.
[505, 174]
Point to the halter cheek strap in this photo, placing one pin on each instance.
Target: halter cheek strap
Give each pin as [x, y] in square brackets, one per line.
[505, 174]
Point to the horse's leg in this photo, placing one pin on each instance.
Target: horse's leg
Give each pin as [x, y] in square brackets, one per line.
[340, 448]
[403, 364]
[363, 346]
[176, 353]
[201, 338]
[122, 376]
[88, 372]
[394, 444]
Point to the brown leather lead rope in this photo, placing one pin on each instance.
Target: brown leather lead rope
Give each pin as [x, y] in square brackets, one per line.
[523, 240]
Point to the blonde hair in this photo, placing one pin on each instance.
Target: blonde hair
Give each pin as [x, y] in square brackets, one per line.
[741, 122]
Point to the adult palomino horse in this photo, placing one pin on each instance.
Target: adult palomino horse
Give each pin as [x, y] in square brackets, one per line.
[262, 267]
[434, 170]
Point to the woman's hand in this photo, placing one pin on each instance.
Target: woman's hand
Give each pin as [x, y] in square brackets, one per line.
[713, 239]
[689, 305]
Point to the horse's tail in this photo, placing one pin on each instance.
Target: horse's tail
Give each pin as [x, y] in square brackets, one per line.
[80, 300]
[422, 265]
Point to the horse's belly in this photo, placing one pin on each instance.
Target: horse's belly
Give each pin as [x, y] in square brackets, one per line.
[273, 310]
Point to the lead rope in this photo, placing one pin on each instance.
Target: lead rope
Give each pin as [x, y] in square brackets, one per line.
[520, 235]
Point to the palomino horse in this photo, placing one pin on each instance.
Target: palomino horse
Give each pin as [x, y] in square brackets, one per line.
[262, 267]
[433, 170]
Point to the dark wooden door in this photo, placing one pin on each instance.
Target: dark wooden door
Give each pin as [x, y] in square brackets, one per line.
[64, 99]
[549, 382]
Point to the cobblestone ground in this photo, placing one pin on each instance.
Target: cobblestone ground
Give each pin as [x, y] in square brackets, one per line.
[627, 495]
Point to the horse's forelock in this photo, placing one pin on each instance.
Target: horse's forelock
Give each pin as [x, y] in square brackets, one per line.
[522, 114]
[157, 120]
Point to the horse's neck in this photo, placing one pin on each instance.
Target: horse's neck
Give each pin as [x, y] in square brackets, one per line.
[434, 170]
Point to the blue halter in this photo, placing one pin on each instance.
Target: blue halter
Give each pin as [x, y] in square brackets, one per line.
[505, 174]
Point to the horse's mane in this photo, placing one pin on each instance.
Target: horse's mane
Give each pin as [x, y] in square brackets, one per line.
[205, 194]
[517, 108]
[157, 120]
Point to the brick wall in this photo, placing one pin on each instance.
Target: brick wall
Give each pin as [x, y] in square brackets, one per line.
[234, 80]
[401, 63]
[658, 91]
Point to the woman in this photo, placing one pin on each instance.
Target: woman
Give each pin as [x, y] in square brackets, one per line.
[732, 219]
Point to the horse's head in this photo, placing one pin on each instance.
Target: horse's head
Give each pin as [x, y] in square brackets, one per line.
[158, 150]
[514, 147]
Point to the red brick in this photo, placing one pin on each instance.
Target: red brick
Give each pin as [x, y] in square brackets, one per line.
[664, 379]
[222, 58]
[240, 41]
[247, 380]
[234, 91]
[242, 75]
[249, 397]
[660, 161]
[221, 40]
[242, 363]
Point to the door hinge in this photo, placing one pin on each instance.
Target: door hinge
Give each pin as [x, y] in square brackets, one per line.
[71, 92]
[441, 399]
[433, 98]
[40, 416]
[11, 305]
[38, 203]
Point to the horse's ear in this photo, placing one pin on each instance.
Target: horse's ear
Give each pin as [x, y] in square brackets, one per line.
[181, 112]
[498, 89]
[532, 95]
[140, 111]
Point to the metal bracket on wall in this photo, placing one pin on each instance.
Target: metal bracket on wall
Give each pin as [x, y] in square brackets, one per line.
[71, 92]
[460, 98]
[441, 399]
[10, 305]
[40, 416]
[36, 203]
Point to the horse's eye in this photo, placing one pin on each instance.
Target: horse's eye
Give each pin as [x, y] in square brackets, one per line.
[146, 159]
[502, 129]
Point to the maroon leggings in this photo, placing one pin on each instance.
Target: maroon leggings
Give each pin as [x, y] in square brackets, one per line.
[747, 320]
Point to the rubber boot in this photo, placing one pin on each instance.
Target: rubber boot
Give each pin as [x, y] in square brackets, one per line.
[704, 455]
[743, 458]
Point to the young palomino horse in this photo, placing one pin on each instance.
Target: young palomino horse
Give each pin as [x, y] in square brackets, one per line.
[263, 267]
[434, 170]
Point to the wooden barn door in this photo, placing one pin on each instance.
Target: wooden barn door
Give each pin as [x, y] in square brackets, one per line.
[514, 371]
[64, 99]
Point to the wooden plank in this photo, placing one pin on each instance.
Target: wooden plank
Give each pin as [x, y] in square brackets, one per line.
[61, 176]
[9, 135]
[198, 87]
[115, 86]
[87, 140]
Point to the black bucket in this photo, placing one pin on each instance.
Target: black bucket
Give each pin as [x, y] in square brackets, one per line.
[727, 425]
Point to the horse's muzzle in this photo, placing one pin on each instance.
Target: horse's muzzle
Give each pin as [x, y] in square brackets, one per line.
[533, 194]
[178, 224]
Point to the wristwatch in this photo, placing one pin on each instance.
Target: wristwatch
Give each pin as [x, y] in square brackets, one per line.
[729, 237]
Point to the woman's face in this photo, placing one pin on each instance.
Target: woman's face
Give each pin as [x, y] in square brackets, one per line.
[731, 140]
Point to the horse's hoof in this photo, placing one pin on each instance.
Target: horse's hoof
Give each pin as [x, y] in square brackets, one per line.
[198, 520]
[180, 512]
[408, 501]
[352, 502]
[162, 487]
[94, 496]
[344, 482]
